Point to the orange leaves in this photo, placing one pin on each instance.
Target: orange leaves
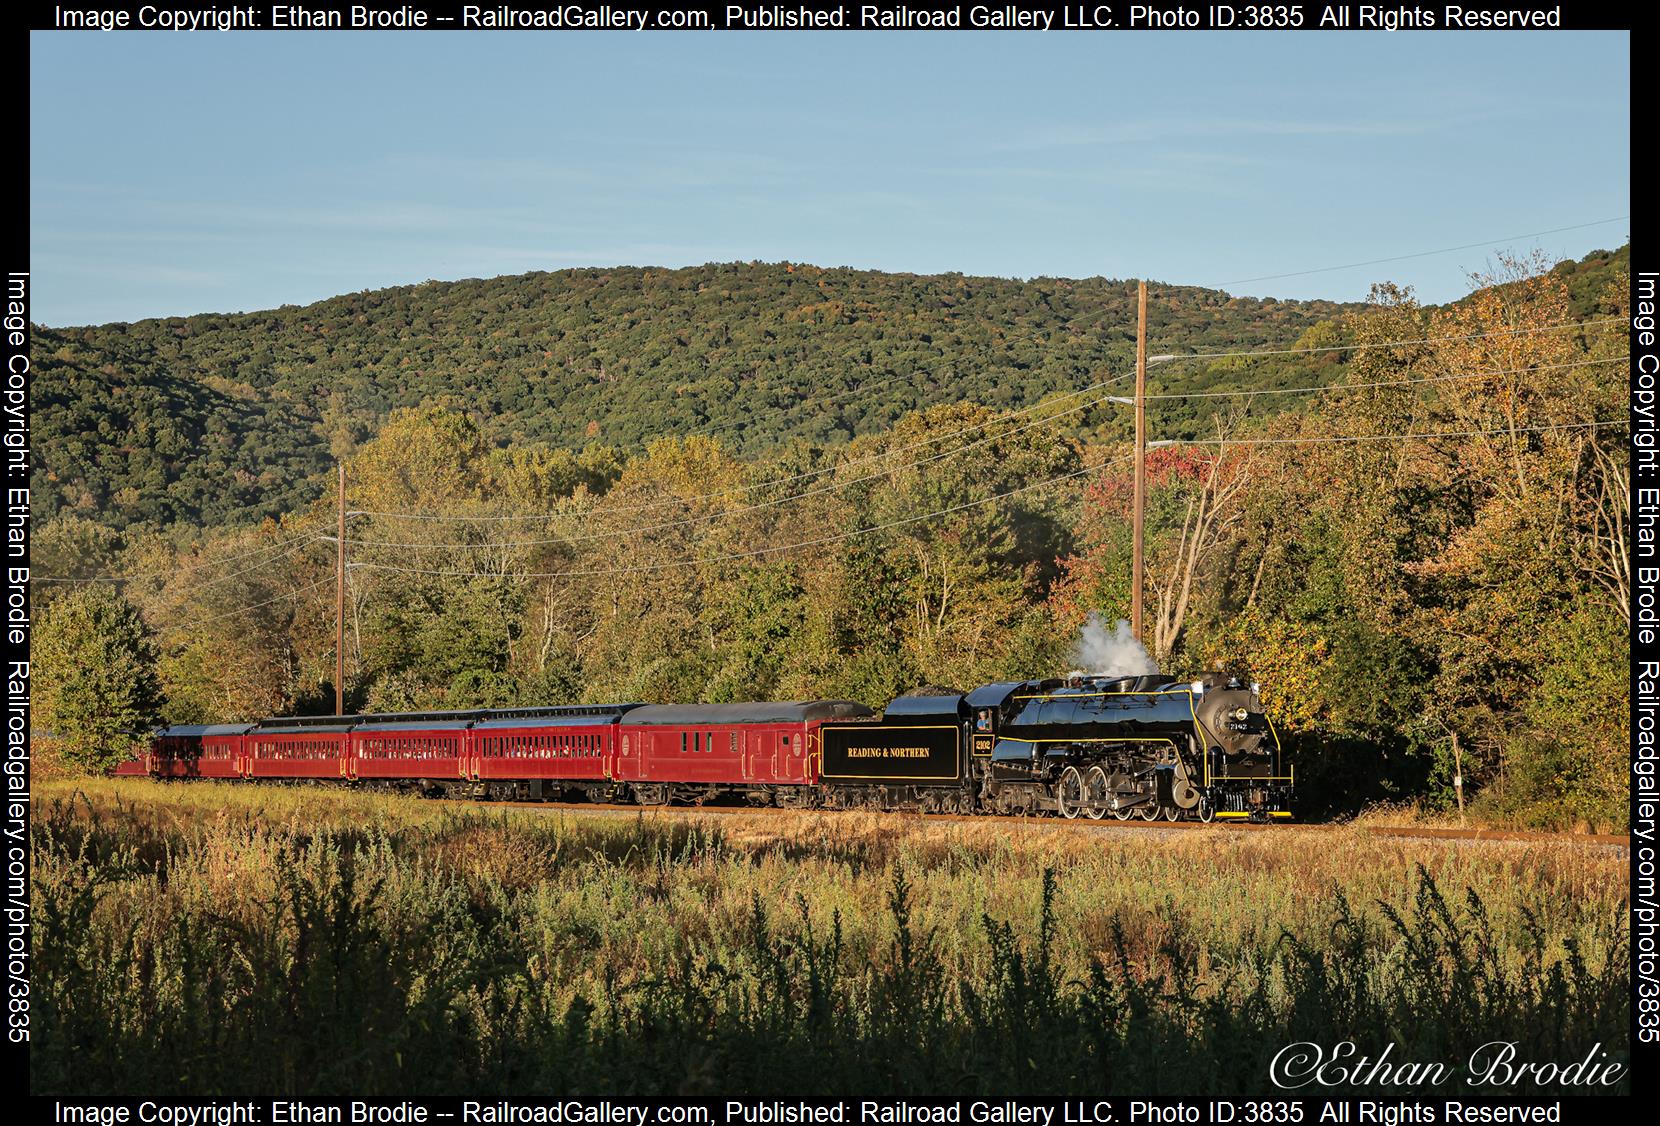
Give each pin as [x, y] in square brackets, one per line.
[1167, 467]
[1292, 660]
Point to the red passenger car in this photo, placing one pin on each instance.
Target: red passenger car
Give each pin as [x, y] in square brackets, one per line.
[541, 749]
[410, 746]
[139, 766]
[195, 750]
[299, 747]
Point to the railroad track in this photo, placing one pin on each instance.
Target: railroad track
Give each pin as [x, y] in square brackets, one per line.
[606, 809]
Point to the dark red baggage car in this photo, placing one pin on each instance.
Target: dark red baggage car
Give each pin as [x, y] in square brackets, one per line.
[668, 747]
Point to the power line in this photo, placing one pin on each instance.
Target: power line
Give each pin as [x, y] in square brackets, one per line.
[931, 439]
[1387, 382]
[260, 566]
[1237, 281]
[1336, 438]
[1421, 253]
[835, 486]
[839, 485]
[260, 605]
[738, 490]
[131, 575]
[1363, 347]
[809, 474]
[761, 551]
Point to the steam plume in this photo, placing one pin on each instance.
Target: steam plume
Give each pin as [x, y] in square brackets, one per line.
[1112, 652]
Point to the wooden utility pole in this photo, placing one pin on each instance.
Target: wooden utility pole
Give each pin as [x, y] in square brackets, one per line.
[1140, 462]
[1458, 775]
[340, 602]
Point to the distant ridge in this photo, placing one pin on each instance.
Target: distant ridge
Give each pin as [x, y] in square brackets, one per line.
[222, 418]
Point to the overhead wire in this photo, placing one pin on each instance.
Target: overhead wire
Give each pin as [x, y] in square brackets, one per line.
[1333, 438]
[755, 487]
[290, 546]
[931, 439]
[697, 561]
[1238, 281]
[205, 564]
[1364, 346]
[1384, 383]
[293, 544]
[260, 566]
[891, 471]
[1421, 253]
[820, 471]
[835, 486]
[851, 391]
[261, 605]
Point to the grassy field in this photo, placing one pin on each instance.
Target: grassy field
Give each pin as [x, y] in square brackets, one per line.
[234, 939]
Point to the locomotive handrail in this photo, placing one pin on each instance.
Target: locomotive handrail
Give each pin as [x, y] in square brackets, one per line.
[1182, 691]
[1094, 739]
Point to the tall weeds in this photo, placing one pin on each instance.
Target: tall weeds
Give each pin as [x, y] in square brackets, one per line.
[244, 952]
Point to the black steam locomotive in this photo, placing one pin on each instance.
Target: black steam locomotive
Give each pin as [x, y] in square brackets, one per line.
[1144, 747]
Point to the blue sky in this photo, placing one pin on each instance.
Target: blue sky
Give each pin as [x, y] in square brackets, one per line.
[175, 174]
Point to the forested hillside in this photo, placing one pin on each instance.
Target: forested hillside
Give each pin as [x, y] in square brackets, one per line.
[215, 419]
[218, 418]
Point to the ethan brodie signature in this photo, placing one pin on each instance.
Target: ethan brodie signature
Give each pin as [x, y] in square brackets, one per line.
[1496, 1064]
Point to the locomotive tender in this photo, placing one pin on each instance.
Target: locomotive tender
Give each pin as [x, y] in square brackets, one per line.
[1086, 746]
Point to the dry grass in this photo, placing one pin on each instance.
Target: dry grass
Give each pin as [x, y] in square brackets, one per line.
[1416, 815]
[532, 944]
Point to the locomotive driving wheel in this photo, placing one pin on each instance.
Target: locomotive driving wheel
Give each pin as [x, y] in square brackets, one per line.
[1098, 791]
[1117, 784]
[1149, 809]
[1069, 792]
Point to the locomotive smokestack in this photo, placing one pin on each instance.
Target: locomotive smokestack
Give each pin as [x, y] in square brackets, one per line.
[1112, 652]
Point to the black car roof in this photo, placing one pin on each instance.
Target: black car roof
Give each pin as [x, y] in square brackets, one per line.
[199, 730]
[912, 706]
[602, 719]
[800, 711]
